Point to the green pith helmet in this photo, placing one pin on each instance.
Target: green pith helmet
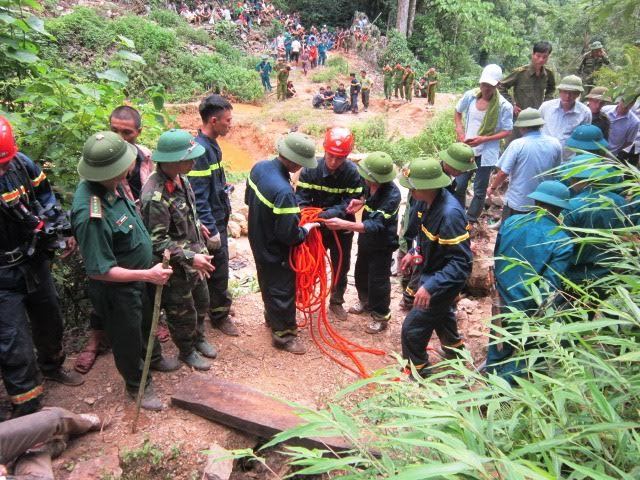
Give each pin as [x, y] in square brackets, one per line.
[529, 117]
[596, 46]
[377, 167]
[105, 156]
[459, 156]
[553, 193]
[599, 93]
[298, 148]
[587, 137]
[571, 83]
[176, 146]
[423, 174]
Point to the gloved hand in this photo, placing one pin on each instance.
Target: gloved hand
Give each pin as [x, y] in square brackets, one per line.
[310, 226]
[214, 242]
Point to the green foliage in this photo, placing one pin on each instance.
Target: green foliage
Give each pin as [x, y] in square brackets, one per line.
[83, 27]
[622, 81]
[336, 67]
[225, 30]
[397, 51]
[166, 18]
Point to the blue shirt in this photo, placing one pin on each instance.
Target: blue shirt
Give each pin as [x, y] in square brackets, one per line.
[560, 124]
[623, 130]
[525, 160]
[539, 248]
[490, 150]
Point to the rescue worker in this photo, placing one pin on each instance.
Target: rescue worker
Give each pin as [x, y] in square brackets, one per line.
[445, 267]
[213, 206]
[530, 248]
[432, 81]
[169, 213]
[592, 61]
[377, 238]
[354, 92]
[408, 79]
[264, 67]
[331, 186]
[274, 216]
[398, 76]
[387, 73]
[283, 77]
[31, 226]
[117, 255]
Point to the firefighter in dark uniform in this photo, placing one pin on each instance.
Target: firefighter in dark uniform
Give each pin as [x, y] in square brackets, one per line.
[30, 315]
[274, 217]
[446, 262]
[331, 186]
[377, 238]
[214, 207]
[117, 254]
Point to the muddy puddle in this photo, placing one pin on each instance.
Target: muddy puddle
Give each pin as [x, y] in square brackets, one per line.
[236, 158]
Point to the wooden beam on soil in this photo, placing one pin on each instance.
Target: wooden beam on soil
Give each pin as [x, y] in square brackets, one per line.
[245, 409]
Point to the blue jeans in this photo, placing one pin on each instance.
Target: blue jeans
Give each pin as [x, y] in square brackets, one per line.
[480, 185]
[266, 82]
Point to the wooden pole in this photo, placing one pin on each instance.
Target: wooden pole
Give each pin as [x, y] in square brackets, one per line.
[150, 342]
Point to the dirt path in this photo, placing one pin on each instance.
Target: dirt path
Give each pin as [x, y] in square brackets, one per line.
[312, 379]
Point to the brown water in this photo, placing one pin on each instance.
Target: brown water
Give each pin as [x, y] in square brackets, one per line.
[236, 158]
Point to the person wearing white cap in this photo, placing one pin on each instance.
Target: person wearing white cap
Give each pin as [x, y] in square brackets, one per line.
[488, 118]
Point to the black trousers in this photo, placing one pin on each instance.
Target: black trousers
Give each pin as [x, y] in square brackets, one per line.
[507, 211]
[278, 289]
[345, 240]
[126, 310]
[354, 102]
[218, 283]
[420, 324]
[30, 317]
[373, 279]
[365, 98]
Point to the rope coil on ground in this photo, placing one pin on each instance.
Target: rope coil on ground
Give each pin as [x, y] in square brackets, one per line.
[312, 263]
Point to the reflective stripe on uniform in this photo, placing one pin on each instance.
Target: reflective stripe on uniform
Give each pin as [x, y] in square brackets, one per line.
[276, 210]
[13, 194]
[322, 188]
[445, 241]
[204, 173]
[38, 180]
[384, 214]
[25, 397]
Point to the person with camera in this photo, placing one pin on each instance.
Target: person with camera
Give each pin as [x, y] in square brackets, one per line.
[32, 227]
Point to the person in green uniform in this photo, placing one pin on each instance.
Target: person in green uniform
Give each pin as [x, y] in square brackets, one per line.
[407, 82]
[117, 254]
[387, 73]
[398, 75]
[432, 82]
[283, 77]
[592, 61]
[367, 84]
[169, 213]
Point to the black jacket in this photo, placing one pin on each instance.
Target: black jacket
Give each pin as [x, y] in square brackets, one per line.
[380, 219]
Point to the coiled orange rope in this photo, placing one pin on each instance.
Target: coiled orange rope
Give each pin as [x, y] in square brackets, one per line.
[312, 264]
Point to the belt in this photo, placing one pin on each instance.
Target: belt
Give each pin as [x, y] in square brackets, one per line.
[13, 257]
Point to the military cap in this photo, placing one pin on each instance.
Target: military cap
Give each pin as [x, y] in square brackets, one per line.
[596, 46]
[423, 174]
[298, 148]
[377, 167]
[529, 117]
[105, 156]
[552, 192]
[571, 83]
[587, 137]
[459, 156]
[176, 146]
[599, 93]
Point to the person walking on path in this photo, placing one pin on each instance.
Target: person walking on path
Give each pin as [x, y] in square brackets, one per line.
[591, 62]
[264, 67]
[169, 213]
[354, 92]
[387, 73]
[274, 217]
[213, 206]
[408, 79]
[526, 162]
[283, 78]
[432, 85]
[488, 118]
[117, 254]
[367, 85]
[398, 77]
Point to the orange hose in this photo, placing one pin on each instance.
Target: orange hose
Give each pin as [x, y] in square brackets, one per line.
[312, 263]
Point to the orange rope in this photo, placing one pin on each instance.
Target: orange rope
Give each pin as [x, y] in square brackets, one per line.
[312, 263]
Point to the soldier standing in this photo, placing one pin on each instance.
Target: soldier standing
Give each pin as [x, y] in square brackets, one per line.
[592, 61]
[407, 82]
[30, 313]
[214, 207]
[169, 213]
[116, 250]
[283, 77]
[432, 83]
[387, 73]
[398, 76]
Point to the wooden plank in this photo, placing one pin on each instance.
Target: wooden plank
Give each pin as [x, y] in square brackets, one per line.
[245, 409]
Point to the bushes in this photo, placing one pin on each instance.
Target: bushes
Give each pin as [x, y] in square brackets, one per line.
[336, 67]
[166, 18]
[82, 28]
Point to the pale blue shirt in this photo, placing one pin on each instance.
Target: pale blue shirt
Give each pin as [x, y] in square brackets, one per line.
[622, 130]
[525, 160]
[489, 151]
[560, 124]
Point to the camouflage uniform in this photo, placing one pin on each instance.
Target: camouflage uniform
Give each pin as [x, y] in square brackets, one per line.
[169, 213]
[588, 67]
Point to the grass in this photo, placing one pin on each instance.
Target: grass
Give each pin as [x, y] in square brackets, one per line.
[336, 67]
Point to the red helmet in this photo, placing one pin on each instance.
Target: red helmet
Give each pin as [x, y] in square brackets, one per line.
[8, 147]
[339, 141]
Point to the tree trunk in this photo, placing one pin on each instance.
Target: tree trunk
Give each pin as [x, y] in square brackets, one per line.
[402, 19]
[412, 16]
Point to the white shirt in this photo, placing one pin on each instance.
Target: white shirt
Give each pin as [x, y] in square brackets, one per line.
[295, 46]
[560, 124]
[474, 120]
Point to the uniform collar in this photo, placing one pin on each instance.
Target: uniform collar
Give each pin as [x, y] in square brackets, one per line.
[282, 168]
[170, 183]
[107, 195]
[531, 70]
[327, 173]
[212, 141]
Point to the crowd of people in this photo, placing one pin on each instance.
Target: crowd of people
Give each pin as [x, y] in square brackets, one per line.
[244, 14]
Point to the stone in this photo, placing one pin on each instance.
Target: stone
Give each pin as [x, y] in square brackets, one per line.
[217, 469]
[106, 465]
[244, 228]
[243, 210]
[235, 231]
[232, 248]
[479, 282]
[467, 305]
[238, 217]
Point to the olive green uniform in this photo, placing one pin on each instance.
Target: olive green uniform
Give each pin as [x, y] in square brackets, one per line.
[431, 87]
[283, 77]
[588, 67]
[398, 75]
[110, 233]
[529, 89]
[409, 78]
[168, 211]
[388, 81]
